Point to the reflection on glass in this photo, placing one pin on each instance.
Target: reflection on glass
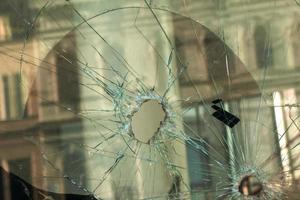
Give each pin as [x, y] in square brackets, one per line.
[77, 79]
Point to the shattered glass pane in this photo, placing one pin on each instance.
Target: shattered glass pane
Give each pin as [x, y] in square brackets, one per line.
[145, 99]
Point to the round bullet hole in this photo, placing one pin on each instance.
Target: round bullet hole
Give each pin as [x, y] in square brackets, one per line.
[146, 122]
[250, 186]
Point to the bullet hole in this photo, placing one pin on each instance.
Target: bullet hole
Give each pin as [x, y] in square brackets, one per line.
[146, 122]
[250, 186]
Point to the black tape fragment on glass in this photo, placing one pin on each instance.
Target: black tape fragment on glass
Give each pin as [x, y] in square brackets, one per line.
[224, 116]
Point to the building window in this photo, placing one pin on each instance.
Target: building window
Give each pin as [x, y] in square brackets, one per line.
[13, 19]
[11, 103]
[5, 29]
[198, 166]
[296, 45]
[263, 47]
[67, 74]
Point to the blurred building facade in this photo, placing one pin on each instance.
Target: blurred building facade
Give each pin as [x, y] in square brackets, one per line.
[263, 34]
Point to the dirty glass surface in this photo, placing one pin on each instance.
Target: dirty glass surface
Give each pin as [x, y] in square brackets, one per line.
[149, 99]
